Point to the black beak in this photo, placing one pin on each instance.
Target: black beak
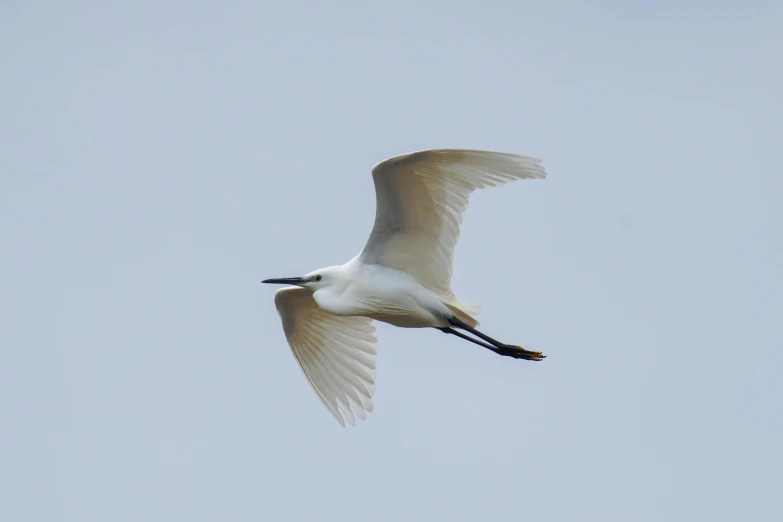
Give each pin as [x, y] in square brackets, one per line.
[287, 281]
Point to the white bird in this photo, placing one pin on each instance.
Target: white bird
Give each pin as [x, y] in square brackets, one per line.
[401, 277]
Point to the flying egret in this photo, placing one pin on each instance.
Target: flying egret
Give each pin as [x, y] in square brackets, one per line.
[401, 277]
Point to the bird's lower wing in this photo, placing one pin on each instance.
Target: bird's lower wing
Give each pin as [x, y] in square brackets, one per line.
[336, 353]
[421, 198]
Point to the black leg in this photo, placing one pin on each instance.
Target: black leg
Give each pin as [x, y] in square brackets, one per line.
[459, 324]
[509, 350]
[461, 335]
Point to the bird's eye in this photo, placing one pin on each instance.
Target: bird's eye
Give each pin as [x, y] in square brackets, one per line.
[318, 278]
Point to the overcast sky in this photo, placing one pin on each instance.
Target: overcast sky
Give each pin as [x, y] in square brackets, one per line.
[159, 159]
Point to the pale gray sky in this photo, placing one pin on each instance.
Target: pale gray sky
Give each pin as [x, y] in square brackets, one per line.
[158, 159]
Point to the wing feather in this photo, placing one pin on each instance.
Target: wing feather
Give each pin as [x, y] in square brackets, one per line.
[421, 198]
[337, 354]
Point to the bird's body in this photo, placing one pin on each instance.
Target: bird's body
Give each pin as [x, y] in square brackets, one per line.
[381, 293]
[401, 277]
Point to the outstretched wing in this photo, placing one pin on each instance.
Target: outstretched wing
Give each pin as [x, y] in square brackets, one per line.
[336, 353]
[421, 198]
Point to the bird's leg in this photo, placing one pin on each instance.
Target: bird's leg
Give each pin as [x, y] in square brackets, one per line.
[516, 352]
[461, 335]
[509, 350]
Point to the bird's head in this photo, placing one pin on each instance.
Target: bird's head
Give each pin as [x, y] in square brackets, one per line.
[315, 280]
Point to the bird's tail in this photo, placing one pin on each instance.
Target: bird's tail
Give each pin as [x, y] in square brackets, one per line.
[465, 312]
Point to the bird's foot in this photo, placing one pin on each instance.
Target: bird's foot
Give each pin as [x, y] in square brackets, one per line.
[517, 352]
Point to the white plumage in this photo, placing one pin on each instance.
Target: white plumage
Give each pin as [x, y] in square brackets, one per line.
[420, 200]
[336, 353]
[401, 277]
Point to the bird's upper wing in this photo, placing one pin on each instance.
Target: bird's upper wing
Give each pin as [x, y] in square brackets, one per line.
[421, 198]
[336, 353]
